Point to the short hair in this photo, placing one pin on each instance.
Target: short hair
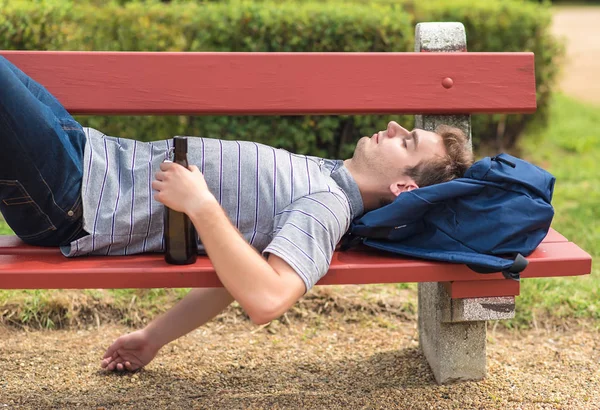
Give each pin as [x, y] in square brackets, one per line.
[452, 165]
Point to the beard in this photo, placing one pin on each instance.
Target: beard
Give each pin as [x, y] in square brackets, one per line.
[359, 149]
[368, 161]
[363, 158]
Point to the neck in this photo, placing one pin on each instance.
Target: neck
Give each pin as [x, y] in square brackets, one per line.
[370, 194]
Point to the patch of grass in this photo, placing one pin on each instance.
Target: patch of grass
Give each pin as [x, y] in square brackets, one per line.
[49, 309]
[4, 228]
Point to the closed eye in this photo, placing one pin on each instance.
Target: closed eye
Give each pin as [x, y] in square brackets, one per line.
[415, 138]
[405, 143]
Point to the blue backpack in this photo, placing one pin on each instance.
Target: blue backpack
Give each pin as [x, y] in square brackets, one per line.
[490, 219]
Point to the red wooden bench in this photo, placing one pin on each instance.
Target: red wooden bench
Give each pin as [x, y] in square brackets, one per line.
[457, 300]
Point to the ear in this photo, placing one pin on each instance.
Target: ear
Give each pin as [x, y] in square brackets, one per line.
[402, 186]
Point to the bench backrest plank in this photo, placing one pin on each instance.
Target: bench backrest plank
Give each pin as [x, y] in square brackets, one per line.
[283, 83]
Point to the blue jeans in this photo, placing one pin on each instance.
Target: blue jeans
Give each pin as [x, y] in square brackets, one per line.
[41, 162]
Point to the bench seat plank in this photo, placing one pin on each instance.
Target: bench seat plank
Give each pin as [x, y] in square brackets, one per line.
[552, 236]
[283, 83]
[50, 270]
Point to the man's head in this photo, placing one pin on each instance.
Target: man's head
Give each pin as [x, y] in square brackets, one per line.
[397, 160]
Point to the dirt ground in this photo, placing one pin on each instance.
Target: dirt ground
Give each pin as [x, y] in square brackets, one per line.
[300, 365]
[328, 363]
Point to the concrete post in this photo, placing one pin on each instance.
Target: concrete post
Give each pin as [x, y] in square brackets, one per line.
[452, 332]
[455, 351]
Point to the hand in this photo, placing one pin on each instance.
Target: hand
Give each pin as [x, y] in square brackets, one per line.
[130, 352]
[181, 189]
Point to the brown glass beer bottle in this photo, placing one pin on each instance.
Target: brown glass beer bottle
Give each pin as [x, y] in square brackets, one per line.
[181, 247]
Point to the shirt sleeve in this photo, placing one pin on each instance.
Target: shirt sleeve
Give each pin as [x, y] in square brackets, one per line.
[307, 231]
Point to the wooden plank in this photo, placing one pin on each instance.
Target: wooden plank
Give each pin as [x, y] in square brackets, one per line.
[54, 271]
[283, 83]
[482, 288]
[554, 236]
[12, 245]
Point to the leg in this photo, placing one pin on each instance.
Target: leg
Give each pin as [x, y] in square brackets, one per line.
[137, 349]
[40, 161]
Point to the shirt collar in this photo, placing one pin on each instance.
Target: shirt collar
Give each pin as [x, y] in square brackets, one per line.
[346, 182]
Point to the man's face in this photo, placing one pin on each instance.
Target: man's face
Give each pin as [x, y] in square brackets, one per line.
[387, 153]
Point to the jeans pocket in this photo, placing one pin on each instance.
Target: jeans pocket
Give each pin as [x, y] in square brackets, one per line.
[21, 212]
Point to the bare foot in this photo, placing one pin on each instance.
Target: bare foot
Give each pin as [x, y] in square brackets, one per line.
[130, 352]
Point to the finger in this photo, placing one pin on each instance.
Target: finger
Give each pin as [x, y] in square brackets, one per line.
[158, 197]
[120, 367]
[113, 362]
[157, 185]
[112, 349]
[164, 166]
[129, 367]
[194, 168]
[159, 176]
[105, 362]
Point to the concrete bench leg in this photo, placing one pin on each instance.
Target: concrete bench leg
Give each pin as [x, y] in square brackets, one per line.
[452, 332]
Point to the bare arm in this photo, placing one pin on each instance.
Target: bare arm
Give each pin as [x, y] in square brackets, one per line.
[264, 289]
[137, 349]
[196, 308]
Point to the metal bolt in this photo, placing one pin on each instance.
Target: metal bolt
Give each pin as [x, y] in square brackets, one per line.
[447, 82]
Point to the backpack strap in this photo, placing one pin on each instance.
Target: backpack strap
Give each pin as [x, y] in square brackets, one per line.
[512, 272]
[498, 158]
[517, 267]
[349, 240]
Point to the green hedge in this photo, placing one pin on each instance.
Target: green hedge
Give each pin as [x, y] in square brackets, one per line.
[271, 26]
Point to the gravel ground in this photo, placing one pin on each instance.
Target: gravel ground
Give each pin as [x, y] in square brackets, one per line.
[332, 364]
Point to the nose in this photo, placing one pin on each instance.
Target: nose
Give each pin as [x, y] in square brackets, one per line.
[394, 129]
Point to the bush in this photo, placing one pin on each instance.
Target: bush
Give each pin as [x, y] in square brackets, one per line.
[270, 26]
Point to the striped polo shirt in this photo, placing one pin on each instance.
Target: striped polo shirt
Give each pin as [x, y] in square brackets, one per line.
[294, 206]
